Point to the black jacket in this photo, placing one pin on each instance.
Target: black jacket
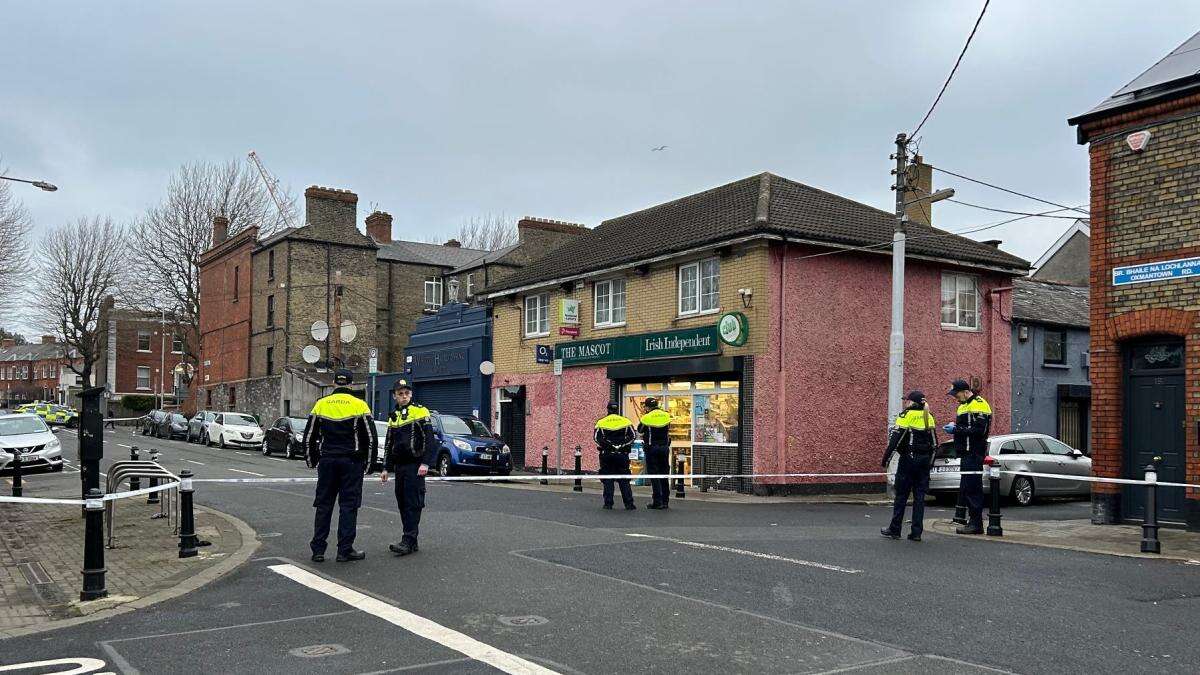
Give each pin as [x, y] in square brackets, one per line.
[340, 425]
[915, 433]
[410, 438]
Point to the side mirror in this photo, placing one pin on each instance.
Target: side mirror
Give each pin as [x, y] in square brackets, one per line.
[1076, 453]
[496, 436]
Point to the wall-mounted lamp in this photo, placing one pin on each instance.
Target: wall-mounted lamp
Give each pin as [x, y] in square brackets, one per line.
[1023, 333]
[747, 295]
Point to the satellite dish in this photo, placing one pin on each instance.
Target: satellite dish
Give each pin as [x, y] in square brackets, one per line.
[320, 331]
[487, 367]
[310, 354]
[349, 331]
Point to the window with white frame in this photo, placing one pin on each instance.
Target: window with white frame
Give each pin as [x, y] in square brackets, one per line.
[610, 302]
[433, 293]
[177, 344]
[700, 287]
[537, 315]
[960, 301]
[470, 285]
[143, 341]
[143, 377]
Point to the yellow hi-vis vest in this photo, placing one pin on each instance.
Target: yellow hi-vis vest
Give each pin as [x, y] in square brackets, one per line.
[656, 418]
[416, 413]
[919, 420]
[613, 423]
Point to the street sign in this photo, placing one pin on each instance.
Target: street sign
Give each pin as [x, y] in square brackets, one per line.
[558, 366]
[1158, 271]
[570, 331]
[373, 359]
[544, 353]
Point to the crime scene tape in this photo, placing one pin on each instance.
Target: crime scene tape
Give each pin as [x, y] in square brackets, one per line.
[110, 497]
[123, 419]
[572, 477]
[1098, 479]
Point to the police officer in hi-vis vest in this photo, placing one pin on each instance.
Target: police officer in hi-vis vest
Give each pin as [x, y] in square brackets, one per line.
[614, 435]
[653, 429]
[914, 437]
[970, 430]
[408, 453]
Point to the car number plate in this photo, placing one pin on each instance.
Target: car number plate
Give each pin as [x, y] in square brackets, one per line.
[485, 457]
[945, 469]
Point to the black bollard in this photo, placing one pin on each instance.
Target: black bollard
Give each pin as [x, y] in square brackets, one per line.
[994, 529]
[578, 469]
[1150, 543]
[679, 481]
[152, 498]
[93, 547]
[187, 519]
[960, 508]
[135, 483]
[703, 472]
[17, 490]
[545, 463]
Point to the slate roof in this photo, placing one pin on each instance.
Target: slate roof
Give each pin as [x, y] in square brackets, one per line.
[428, 254]
[487, 258]
[760, 205]
[36, 352]
[1176, 73]
[1050, 303]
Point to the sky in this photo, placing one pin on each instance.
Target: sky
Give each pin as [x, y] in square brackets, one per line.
[440, 111]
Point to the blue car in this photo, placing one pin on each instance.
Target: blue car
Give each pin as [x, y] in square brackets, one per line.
[468, 447]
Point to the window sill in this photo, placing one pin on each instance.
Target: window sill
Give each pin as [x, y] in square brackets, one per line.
[692, 315]
[534, 336]
[960, 329]
[1056, 366]
[143, 351]
[607, 326]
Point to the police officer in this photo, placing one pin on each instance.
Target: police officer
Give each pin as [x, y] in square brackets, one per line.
[914, 438]
[409, 450]
[653, 429]
[614, 435]
[970, 430]
[339, 439]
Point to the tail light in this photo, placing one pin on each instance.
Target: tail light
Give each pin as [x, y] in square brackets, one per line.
[990, 461]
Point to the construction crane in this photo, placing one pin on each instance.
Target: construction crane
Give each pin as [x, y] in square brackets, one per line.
[272, 184]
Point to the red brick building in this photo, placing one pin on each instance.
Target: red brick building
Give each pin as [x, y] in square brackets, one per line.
[139, 352]
[225, 305]
[1145, 287]
[32, 372]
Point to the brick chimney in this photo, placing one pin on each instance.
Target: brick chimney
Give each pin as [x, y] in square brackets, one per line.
[379, 227]
[49, 340]
[544, 235]
[220, 230]
[8, 343]
[330, 211]
[920, 183]
[453, 243]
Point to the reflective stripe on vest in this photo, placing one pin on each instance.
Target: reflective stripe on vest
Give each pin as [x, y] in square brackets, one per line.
[337, 407]
[976, 405]
[613, 423]
[656, 419]
[415, 413]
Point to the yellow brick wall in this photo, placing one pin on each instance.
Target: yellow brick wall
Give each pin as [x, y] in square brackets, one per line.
[651, 303]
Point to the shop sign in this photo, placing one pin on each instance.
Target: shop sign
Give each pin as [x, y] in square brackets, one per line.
[734, 328]
[570, 331]
[1159, 271]
[568, 311]
[667, 344]
[544, 353]
[441, 363]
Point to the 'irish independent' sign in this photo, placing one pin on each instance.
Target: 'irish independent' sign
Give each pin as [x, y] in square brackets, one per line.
[687, 342]
[1158, 271]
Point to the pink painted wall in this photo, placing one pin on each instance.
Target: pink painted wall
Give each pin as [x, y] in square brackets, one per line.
[829, 402]
[585, 400]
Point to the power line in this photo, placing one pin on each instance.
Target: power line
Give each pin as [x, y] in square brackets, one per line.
[1015, 213]
[1011, 192]
[952, 70]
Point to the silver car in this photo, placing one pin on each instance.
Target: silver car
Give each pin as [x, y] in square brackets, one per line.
[1036, 453]
[28, 436]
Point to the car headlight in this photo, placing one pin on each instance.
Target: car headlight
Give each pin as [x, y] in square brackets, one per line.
[54, 444]
[505, 450]
[299, 437]
[462, 445]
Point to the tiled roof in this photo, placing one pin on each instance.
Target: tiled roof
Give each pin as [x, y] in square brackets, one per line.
[36, 352]
[765, 204]
[1173, 75]
[486, 259]
[428, 254]
[1046, 302]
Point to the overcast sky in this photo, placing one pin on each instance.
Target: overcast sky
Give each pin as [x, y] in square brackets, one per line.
[439, 111]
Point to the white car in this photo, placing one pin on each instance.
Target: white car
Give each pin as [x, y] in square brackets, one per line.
[235, 430]
[28, 436]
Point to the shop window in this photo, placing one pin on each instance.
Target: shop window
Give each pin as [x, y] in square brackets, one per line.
[433, 293]
[700, 287]
[537, 315]
[716, 418]
[1054, 347]
[610, 302]
[143, 341]
[960, 301]
[143, 377]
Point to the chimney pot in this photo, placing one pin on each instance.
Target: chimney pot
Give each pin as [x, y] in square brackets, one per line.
[994, 243]
[49, 339]
[8, 343]
[453, 243]
[220, 230]
[379, 227]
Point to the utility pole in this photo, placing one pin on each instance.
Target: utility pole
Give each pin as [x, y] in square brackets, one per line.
[896, 343]
[162, 372]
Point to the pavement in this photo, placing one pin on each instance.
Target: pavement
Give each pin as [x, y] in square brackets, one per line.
[535, 581]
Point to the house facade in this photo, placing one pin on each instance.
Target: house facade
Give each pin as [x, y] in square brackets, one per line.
[140, 353]
[35, 372]
[757, 312]
[1145, 295]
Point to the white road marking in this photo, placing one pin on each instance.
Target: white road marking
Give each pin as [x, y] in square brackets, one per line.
[248, 454]
[124, 446]
[277, 459]
[417, 625]
[194, 462]
[249, 472]
[83, 665]
[752, 554]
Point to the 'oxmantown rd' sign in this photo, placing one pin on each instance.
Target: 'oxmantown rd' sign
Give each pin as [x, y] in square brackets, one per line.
[667, 344]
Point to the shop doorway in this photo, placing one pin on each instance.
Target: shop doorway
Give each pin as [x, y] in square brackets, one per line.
[1154, 424]
[512, 421]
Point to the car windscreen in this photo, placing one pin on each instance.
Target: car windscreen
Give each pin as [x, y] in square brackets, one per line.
[15, 426]
[457, 426]
[240, 420]
[178, 419]
[297, 423]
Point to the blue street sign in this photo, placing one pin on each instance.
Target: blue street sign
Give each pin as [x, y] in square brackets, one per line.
[545, 353]
[1158, 271]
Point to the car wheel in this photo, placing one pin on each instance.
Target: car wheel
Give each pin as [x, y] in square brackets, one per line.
[266, 449]
[56, 467]
[445, 468]
[221, 441]
[291, 451]
[1022, 490]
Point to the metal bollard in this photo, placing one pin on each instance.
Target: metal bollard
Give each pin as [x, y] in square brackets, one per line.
[545, 463]
[960, 509]
[578, 469]
[17, 490]
[679, 481]
[994, 529]
[93, 547]
[1150, 543]
[153, 498]
[703, 472]
[187, 519]
[135, 483]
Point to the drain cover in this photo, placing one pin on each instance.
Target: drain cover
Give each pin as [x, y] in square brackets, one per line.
[523, 621]
[317, 651]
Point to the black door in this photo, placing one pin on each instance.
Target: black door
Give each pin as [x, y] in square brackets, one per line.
[1154, 424]
[512, 423]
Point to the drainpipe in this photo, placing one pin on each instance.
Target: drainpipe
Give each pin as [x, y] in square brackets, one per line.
[781, 384]
[994, 301]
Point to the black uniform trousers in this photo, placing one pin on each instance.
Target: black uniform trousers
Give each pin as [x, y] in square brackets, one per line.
[912, 476]
[658, 461]
[971, 488]
[410, 499]
[616, 463]
[338, 478]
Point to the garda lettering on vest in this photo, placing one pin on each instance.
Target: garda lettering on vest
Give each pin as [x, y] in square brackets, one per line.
[667, 344]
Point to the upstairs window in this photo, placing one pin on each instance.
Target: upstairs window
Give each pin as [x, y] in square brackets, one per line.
[610, 302]
[433, 293]
[270, 310]
[237, 273]
[176, 344]
[700, 287]
[143, 341]
[470, 285]
[960, 301]
[143, 378]
[271, 264]
[270, 360]
[1054, 347]
[537, 315]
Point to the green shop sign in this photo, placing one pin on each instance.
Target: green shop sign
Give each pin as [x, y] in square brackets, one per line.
[667, 344]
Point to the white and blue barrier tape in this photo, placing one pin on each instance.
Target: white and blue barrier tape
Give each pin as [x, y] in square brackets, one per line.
[110, 497]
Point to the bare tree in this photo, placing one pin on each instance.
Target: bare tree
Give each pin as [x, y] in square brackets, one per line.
[167, 242]
[14, 245]
[78, 265]
[488, 232]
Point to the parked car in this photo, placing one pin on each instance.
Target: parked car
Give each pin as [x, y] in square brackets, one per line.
[236, 430]
[1036, 453]
[150, 421]
[466, 446]
[286, 437]
[62, 415]
[198, 426]
[29, 436]
[173, 425]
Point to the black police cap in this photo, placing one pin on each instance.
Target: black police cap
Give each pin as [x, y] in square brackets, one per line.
[343, 377]
[916, 396]
[401, 384]
[957, 386]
